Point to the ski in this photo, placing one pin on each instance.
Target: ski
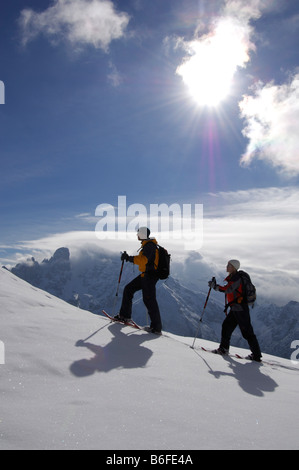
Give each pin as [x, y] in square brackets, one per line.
[274, 364]
[130, 323]
[237, 356]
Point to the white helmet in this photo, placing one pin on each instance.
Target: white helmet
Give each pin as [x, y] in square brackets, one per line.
[143, 233]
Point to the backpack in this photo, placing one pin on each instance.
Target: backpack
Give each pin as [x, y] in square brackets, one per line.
[248, 288]
[163, 269]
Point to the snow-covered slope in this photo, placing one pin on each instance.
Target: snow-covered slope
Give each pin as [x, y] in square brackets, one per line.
[90, 280]
[72, 380]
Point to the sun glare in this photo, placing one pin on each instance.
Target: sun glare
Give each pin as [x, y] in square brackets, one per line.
[214, 58]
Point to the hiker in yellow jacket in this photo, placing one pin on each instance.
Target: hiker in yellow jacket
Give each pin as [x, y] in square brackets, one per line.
[147, 261]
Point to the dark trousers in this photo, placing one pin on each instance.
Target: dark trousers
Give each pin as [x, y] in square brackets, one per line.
[148, 286]
[241, 318]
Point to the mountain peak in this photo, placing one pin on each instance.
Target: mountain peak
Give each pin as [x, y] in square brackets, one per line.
[61, 254]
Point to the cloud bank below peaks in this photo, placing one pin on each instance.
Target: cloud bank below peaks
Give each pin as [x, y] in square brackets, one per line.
[79, 22]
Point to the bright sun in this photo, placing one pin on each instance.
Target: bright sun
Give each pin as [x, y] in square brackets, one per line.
[208, 71]
[207, 83]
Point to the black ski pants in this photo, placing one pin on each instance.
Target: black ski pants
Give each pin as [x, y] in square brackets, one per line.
[148, 286]
[242, 319]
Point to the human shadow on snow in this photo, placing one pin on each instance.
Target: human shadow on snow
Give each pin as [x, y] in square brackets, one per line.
[248, 374]
[124, 351]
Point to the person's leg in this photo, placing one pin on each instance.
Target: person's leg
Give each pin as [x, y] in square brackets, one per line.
[150, 301]
[128, 294]
[245, 325]
[228, 327]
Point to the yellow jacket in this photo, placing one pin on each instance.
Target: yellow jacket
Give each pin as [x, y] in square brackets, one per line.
[148, 258]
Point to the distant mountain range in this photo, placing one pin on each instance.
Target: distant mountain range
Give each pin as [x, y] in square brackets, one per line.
[90, 283]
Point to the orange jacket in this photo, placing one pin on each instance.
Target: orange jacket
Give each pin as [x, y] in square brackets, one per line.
[233, 289]
[148, 258]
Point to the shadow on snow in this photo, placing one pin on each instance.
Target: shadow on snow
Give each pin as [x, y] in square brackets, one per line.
[118, 354]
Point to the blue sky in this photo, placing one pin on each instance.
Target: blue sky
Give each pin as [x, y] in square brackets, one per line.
[97, 105]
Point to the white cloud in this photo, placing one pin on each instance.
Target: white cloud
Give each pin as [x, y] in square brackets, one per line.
[214, 58]
[259, 226]
[262, 202]
[114, 77]
[245, 11]
[271, 124]
[80, 22]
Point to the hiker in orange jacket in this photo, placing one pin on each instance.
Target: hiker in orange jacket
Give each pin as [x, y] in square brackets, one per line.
[147, 261]
[238, 314]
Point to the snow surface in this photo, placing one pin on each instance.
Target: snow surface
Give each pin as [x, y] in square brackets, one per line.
[73, 380]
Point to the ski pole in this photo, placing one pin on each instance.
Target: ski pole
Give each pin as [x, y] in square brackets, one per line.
[200, 320]
[81, 341]
[119, 278]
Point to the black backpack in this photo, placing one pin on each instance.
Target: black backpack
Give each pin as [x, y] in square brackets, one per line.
[163, 269]
[248, 288]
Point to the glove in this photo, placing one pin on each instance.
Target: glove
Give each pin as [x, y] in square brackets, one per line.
[212, 284]
[124, 256]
